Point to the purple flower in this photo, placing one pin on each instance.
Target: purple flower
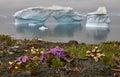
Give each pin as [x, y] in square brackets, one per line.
[18, 59]
[42, 58]
[32, 59]
[9, 67]
[24, 59]
[58, 52]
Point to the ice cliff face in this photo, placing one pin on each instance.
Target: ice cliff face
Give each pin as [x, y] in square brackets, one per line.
[99, 16]
[36, 16]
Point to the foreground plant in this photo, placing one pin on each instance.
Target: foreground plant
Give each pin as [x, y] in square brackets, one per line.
[95, 54]
[30, 61]
[6, 39]
[58, 53]
[35, 58]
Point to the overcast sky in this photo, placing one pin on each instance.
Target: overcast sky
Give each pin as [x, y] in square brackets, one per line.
[12, 6]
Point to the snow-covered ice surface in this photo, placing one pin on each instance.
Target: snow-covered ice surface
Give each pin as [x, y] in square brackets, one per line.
[99, 16]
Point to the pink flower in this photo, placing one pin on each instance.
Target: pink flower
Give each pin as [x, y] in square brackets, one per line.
[42, 58]
[9, 67]
[24, 59]
[58, 52]
[32, 59]
[18, 59]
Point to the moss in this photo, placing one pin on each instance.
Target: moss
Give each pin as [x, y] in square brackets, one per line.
[110, 50]
[57, 63]
[7, 40]
[73, 51]
[83, 50]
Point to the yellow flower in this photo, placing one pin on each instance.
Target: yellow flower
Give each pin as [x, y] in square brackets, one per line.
[92, 55]
[10, 63]
[19, 63]
[37, 49]
[33, 48]
[26, 50]
[88, 52]
[98, 55]
[102, 54]
[16, 67]
[95, 54]
[96, 48]
[96, 59]
[93, 50]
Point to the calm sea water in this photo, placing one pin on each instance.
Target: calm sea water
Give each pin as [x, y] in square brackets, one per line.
[62, 34]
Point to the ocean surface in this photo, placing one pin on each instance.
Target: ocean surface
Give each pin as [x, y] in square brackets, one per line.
[80, 33]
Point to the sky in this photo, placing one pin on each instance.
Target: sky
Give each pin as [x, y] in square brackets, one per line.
[11, 6]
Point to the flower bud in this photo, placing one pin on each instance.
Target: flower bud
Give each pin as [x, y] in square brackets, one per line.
[33, 52]
[10, 63]
[19, 63]
[93, 50]
[96, 59]
[96, 48]
[37, 49]
[92, 55]
[16, 67]
[88, 52]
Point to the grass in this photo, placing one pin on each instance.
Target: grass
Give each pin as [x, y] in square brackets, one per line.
[7, 40]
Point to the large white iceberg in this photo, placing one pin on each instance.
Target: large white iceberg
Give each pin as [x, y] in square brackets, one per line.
[98, 17]
[38, 15]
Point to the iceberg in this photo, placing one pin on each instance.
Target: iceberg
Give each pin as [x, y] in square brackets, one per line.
[97, 24]
[36, 16]
[98, 17]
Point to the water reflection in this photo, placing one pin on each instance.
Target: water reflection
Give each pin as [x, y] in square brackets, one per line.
[98, 31]
[28, 30]
[67, 29]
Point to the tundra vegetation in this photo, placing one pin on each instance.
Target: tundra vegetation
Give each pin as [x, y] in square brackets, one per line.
[29, 55]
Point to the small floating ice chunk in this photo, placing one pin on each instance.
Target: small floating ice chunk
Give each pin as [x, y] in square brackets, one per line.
[31, 25]
[43, 28]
